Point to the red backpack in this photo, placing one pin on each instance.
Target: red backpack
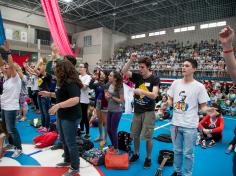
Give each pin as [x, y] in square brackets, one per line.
[45, 140]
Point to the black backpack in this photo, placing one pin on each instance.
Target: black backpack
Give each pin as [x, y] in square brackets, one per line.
[124, 141]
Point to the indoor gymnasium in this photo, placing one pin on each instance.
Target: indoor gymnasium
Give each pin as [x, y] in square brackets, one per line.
[117, 87]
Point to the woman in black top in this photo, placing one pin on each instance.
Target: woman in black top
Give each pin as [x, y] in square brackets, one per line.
[68, 111]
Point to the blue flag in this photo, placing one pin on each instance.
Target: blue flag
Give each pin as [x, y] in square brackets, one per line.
[2, 32]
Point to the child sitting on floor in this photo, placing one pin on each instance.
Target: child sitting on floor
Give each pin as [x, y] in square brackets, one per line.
[211, 127]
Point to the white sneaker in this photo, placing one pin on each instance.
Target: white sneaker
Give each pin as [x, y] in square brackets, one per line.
[16, 153]
[8, 147]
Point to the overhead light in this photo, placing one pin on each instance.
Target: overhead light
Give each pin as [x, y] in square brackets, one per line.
[68, 1]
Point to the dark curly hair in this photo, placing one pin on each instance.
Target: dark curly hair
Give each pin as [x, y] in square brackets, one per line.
[66, 73]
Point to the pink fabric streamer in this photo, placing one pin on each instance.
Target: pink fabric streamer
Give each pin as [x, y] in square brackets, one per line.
[56, 26]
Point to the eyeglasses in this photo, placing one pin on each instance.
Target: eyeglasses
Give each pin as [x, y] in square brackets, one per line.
[81, 67]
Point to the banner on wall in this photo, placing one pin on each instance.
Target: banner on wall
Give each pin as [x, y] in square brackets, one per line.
[23, 36]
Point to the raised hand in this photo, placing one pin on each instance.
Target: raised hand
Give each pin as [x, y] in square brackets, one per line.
[226, 37]
[6, 46]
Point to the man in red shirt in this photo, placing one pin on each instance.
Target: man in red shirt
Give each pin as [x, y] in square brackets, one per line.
[211, 127]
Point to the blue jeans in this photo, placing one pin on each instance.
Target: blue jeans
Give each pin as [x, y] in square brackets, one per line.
[44, 105]
[9, 118]
[184, 140]
[68, 132]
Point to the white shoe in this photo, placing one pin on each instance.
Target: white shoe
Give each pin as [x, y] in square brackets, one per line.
[16, 153]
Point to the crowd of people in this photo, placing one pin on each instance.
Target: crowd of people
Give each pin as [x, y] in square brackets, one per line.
[56, 87]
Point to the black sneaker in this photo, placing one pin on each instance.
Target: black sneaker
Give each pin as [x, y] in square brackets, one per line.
[147, 163]
[63, 164]
[176, 174]
[87, 137]
[134, 158]
[57, 146]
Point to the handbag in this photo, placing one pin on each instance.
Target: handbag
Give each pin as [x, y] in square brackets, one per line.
[116, 161]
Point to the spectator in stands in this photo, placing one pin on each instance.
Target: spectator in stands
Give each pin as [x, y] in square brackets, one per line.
[10, 100]
[145, 93]
[226, 37]
[185, 116]
[68, 112]
[211, 127]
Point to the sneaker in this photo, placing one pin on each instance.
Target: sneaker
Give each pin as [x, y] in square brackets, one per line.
[9, 147]
[40, 128]
[63, 164]
[229, 149]
[98, 139]
[212, 143]
[57, 146]
[43, 130]
[203, 144]
[147, 163]
[176, 174]
[82, 132]
[16, 153]
[71, 172]
[87, 136]
[134, 158]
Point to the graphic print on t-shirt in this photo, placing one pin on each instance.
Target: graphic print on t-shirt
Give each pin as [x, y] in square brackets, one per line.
[143, 100]
[181, 105]
[40, 81]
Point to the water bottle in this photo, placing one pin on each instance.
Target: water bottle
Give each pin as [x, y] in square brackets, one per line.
[101, 145]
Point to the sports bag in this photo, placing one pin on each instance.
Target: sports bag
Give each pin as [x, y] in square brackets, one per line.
[94, 156]
[116, 161]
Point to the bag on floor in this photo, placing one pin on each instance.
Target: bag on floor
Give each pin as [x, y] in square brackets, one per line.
[164, 138]
[116, 161]
[163, 153]
[36, 122]
[95, 156]
[83, 145]
[124, 141]
[45, 140]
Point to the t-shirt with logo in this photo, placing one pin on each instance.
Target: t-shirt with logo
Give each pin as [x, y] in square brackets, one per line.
[44, 82]
[186, 100]
[143, 103]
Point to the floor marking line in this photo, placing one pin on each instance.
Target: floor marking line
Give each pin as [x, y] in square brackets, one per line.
[162, 126]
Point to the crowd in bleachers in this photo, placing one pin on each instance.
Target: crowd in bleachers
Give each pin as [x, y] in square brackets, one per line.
[168, 56]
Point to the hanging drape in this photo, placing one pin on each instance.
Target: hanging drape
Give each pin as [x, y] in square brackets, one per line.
[56, 26]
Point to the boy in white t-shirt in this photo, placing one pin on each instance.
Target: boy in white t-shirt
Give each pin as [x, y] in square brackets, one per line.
[186, 95]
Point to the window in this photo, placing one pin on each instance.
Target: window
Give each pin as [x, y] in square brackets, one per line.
[212, 25]
[88, 41]
[157, 33]
[138, 36]
[44, 36]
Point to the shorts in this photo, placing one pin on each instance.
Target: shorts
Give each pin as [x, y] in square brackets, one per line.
[23, 104]
[98, 105]
[143, 125]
